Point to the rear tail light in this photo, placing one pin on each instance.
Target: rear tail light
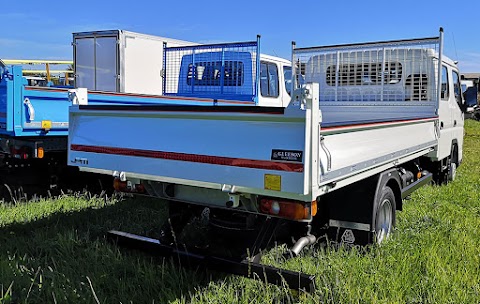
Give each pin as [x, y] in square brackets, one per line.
[118, 185]
[21, 153]
[288, 209]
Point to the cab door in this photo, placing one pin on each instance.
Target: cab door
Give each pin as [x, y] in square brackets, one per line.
[445, 114]
[457, 104]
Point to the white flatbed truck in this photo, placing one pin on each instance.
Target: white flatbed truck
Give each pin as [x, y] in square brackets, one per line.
[373, 123]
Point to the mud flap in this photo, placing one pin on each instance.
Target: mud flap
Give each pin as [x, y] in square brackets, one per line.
[349, 237]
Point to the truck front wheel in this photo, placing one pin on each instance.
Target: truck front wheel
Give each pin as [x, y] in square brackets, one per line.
[452, 170]
[384, 219]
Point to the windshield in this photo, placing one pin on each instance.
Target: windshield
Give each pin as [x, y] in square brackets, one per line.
[471, 96]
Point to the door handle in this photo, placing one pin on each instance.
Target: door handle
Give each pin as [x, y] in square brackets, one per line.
[454, 123]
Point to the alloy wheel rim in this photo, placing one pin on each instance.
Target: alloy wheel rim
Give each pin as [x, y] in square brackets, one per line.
[383, 225]
[453, 171]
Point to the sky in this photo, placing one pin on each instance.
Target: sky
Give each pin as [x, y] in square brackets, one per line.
[36, 30]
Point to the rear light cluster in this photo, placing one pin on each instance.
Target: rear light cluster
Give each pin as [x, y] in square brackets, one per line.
[40, 152]
[127, 186]
[20, 153]
[288, 209]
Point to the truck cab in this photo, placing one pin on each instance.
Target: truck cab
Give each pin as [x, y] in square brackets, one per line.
[451, 118]
[229, 73]
[275, 81]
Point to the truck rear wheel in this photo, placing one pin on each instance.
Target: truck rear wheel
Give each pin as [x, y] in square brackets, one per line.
[362, 213]
[384, 218]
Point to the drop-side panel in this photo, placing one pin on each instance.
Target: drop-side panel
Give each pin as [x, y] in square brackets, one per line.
[245, 147]
[360, 147]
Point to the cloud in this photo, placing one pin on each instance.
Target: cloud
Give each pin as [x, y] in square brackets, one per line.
[28, 20]
[52, 40]
[27, 49]
[469, 62]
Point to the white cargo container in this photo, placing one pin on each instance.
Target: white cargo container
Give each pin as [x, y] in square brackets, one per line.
[120, 61]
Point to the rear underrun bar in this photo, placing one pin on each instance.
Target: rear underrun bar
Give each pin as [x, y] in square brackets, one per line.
[294, 280]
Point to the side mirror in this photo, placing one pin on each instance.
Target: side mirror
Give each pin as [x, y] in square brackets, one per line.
[463, 107]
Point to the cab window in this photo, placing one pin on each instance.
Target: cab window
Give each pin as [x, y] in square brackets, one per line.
[268, 79]
[457, 88]
[445, 85]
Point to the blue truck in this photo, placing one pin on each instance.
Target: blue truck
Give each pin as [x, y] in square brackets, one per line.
[33, 135]
[33, 128]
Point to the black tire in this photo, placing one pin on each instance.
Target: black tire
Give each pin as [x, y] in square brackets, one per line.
[7, 194]
[453, 163]
[452, 171]
[442, 175]
[384, 216]
[178, 217]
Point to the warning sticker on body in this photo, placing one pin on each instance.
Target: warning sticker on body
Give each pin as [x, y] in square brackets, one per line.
[287, 155]
[348, 237]
[273, 182]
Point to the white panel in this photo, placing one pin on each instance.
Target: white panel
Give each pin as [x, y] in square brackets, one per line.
[143, 62]
[85, 63]
[349, 149]
[143, 65]
[246, 141]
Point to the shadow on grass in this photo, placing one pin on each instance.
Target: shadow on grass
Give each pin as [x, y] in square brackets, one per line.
[65, 257]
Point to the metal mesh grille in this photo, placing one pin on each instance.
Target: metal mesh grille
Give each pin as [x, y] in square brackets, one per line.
[376, 72]
[217, 71]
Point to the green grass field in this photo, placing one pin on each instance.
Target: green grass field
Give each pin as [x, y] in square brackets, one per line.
[55, 251]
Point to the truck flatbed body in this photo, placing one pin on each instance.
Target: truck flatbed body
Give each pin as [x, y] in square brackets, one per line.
[239, 147]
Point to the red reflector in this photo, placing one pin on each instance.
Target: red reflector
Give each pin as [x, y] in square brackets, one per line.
[118, 185]
[139, 188]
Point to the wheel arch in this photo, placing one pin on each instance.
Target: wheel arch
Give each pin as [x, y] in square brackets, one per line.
[392, 179]
[397, 191]
[454, 151]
